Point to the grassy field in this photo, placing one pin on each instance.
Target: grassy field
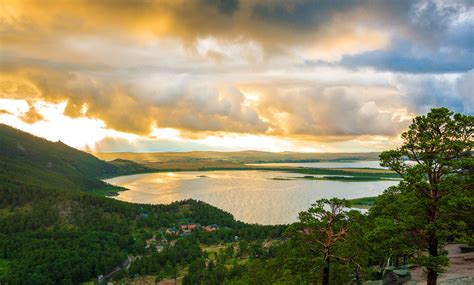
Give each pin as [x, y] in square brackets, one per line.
[214, 247]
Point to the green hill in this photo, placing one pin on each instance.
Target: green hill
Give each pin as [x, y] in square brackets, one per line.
[32, 160]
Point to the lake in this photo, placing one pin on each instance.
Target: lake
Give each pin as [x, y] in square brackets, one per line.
[251, 196]
[327, 164]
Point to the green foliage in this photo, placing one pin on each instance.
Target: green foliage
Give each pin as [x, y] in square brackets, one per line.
[55, 157]
[165, 263]
[55, 230]
[438, 179]
[4, 267]
[363, 202]
[31, 160]
[290, 261]
[323, 230]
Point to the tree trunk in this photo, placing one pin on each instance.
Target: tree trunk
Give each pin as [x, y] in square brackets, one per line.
[358, 280]
[326, 272]
[432, 275]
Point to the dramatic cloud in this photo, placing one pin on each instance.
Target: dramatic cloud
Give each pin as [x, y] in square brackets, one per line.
[332, 73]
[439, 41]
[316, 111]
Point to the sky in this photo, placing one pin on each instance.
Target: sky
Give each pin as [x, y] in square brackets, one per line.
[181, 75]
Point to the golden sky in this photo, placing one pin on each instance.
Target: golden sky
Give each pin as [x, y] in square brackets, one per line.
[176, 75]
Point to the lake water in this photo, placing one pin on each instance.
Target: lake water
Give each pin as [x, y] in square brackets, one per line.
[251, 196]
[348, 164]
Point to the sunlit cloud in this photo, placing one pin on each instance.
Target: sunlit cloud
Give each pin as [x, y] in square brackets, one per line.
[77, 132]
[232, 75]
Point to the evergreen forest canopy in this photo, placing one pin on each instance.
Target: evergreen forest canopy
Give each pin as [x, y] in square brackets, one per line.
[55, 228]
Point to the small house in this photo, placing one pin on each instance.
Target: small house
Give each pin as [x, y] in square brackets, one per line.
[211, 228]
[189, 227]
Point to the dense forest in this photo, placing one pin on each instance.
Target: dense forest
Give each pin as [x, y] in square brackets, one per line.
[56, 229]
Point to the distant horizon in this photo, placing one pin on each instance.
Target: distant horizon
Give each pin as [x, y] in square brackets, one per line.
[240, 151]
[197, 150]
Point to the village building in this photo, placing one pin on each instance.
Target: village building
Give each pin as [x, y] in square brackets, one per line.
[190, 227]
[211, 228]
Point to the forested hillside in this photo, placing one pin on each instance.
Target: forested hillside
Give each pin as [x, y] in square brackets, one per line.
[32, 160]
[51, 232]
